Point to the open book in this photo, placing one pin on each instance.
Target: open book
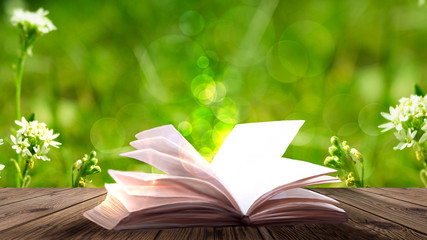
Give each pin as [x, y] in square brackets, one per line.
[247, 183]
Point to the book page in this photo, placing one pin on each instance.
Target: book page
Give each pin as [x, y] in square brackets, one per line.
[167, 150]
[158, 185]
[291, 196]
[194, 165]
[249, 162]
[170, 132]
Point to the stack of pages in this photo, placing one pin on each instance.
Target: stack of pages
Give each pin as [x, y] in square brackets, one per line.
[247, 183]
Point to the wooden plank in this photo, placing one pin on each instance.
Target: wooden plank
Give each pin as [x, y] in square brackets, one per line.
[27, 210]
[246, 233]
[266, 235]
[364, 225]
[298, 231]
[69, 223]
[343, 231]
[202, 233]
[413, 195]
[224, 233]
[407, 214]
[13, 195]
[176, 233]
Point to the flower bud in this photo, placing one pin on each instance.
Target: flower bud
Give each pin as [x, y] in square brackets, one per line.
[346, 148]
[92, 154]
[94, 170]
[93, 161]
[334, 151]
[357, 154]
[77, 164]
[332, 162]
[349, 181]
[420, 155]
[335, 141]
[85, 158]
[82, 182]
[31, 165]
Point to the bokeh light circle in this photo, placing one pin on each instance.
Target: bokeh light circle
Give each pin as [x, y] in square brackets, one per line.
[107, 135]
[370, 117]
[287, 61]
[203, 62]
[227, 111]
[191, 23]
[185, 128]
[317, 41]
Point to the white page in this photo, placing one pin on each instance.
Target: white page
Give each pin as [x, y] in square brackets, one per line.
[249, 161]
[170, 132]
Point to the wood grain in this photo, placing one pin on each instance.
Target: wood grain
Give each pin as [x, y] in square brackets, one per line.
[70, 224]
[57, 214]
[410, 215]
[298, 231]
[412, 195]
[10, 195]
[42, 205]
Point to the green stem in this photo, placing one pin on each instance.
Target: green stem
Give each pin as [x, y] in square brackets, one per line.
[18, 82]
[24, 173]
[356, 173]
[19, 173]
[363, 175]
[423, 174]
[76, 180]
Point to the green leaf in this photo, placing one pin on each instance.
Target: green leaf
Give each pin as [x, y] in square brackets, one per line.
[32, 117]
[418, 91]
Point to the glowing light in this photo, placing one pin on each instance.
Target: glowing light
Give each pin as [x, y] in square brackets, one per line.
[227, 111]
[203, 62]
[185, 128]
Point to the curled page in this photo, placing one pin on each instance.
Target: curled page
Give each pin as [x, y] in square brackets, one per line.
[158, 185]
[170, 164]
[291, 196]
[167, 150]
[193, 164]
[170, 132]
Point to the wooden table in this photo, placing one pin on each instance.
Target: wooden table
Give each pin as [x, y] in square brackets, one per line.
[56, 213]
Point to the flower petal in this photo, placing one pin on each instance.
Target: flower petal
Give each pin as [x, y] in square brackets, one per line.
[387, 116]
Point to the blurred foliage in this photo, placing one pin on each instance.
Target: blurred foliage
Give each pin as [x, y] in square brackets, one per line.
[115, 68]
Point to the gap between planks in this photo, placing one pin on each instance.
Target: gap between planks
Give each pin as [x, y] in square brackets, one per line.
[412, 195]
[15, 195]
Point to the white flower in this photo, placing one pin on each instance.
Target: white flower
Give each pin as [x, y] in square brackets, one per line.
[20, 146]
[408, 118]
[1, 168]
[32, 20]
[406, 139]
[33, 139]
[1, 141]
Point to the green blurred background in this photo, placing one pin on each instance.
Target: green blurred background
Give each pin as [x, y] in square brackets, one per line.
[115, 68]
